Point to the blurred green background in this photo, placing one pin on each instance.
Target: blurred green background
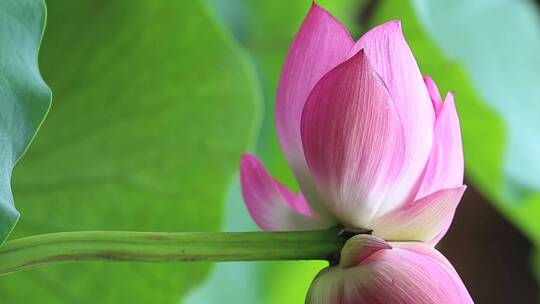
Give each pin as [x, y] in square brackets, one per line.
[154, 102]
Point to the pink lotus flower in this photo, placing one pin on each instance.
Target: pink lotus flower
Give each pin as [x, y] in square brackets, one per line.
[372, 146]
[372, 271]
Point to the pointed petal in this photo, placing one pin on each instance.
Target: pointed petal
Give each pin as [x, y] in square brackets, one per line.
[409, 274]
[297, 202]
[321, 44]
[394, 62]
[421, 220]
[353, 140]
[434, 94]
[359, 248]
[445, 165]
[270, 204]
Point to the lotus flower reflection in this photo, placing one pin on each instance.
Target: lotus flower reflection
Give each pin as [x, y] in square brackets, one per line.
[373, 146]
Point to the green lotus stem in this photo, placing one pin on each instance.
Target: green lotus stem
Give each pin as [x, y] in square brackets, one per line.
[29, 252]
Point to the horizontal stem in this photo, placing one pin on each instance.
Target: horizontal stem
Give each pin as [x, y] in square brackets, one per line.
[33, 251]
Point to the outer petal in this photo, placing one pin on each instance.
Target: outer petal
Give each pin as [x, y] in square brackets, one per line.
[409, 273]
[270, 204]
[353, 140]
[393, 60]
[359, 248]
[321, 44]
[445, 165]
[422, 220]
[434, 94]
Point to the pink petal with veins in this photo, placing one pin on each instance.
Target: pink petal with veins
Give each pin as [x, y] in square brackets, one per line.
[422, 220]
[445, 166]
[393, 60]
[321, 44]
[272, 206]
[353, 140]
[434, 94]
